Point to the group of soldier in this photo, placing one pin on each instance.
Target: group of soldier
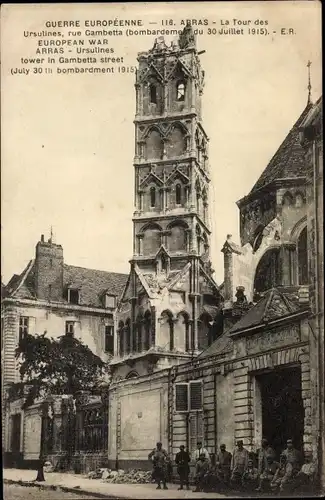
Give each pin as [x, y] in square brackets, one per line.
[239, 470]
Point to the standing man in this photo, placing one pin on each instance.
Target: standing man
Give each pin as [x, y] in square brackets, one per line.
[239, 463]
[182, 461]
[201, 451]
[262, 454]
[223, 464]
[159, 458]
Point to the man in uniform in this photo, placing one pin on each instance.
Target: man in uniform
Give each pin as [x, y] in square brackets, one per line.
[223, 464]
[268, 474]
[159, 458]
[239, 463]
[182, 461]
[262, 455]
[202, 468]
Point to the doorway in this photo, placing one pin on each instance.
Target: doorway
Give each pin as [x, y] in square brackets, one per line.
[15, 433]
[282, 409]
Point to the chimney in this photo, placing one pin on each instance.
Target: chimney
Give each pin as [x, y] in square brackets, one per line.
[49, 271]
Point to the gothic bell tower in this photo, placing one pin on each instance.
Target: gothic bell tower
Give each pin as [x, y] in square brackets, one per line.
[163, 308]
[171, 157]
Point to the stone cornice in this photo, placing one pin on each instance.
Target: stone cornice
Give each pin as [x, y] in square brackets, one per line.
[39, 304]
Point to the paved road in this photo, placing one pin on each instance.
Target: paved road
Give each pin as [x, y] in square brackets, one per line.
[15, 492]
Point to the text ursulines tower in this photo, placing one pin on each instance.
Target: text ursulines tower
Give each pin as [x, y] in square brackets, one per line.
[171, 301]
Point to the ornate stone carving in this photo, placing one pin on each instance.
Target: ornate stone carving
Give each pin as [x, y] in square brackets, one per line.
[265, 341]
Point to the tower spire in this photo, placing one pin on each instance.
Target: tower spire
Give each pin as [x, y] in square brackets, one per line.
[309, 83]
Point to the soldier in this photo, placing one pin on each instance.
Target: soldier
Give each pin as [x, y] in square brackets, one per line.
[182, 461]
[202, 468]
[268, 474]
[223, 464]
[239, 463]
[159, 459]
[250, 476]
[262, 455]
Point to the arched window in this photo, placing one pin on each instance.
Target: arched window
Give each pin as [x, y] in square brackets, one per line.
[303, 258]
[153, 93]
[121, 334]
[287, 199]
[181, 333]
[180, 90]
[267, 273]
[139, 324]
[151, 240]
[177, 239]
[132, 374]
[152, 197]
[204, 326]
[154, 145]
[176, 144]
[167, 330]
[178, 194]
[147, 330]
[128, 336]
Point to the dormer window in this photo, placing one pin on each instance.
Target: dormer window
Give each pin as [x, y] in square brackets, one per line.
[109, 301]
[73, 296]
[153, 93]
[180, 94]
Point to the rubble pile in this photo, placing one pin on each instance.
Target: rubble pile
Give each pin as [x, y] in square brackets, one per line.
[133, 476]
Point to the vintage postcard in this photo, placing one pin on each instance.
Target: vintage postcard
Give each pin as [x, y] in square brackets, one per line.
[162, 319]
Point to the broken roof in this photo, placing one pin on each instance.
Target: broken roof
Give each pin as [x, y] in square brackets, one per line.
[289, 160]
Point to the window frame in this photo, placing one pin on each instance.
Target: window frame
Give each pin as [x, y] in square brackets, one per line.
[180, 94]
[110, 296]
[153, 197]
[23, 328]
[178, 190]
[68, 333]
[106, 334]
[73, 290]
[153, 93]
[189, 408]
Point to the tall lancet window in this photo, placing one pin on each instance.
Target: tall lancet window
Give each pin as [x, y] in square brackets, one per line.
[152, 197]
[178, 194]
[153, 93]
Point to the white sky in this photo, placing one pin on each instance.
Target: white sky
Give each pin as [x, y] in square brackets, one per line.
[68, 141]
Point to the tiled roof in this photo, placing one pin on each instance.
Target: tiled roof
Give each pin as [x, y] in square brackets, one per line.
[222, 345]
[288, 161]
[93, 283]
[274, 305]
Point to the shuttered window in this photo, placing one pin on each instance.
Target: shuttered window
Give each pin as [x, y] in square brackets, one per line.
[181, 397]
[189, 396]
[195, 395]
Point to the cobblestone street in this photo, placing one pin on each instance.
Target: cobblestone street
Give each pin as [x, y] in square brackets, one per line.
[15, 492]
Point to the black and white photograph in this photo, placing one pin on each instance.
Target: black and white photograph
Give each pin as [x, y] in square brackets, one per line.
[162, 260]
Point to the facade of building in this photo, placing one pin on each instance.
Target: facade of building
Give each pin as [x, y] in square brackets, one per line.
[257, 378]
[60, 299]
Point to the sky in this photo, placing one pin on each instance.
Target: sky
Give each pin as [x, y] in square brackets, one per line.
[68, 140]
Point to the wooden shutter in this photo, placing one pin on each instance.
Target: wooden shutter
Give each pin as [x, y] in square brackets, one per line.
[195, 396]
[181, 397]
[196, 430]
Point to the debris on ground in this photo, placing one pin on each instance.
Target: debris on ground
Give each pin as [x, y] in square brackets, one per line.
[133, 476]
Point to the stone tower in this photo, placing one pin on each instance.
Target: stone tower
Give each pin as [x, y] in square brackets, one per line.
[171, 300]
